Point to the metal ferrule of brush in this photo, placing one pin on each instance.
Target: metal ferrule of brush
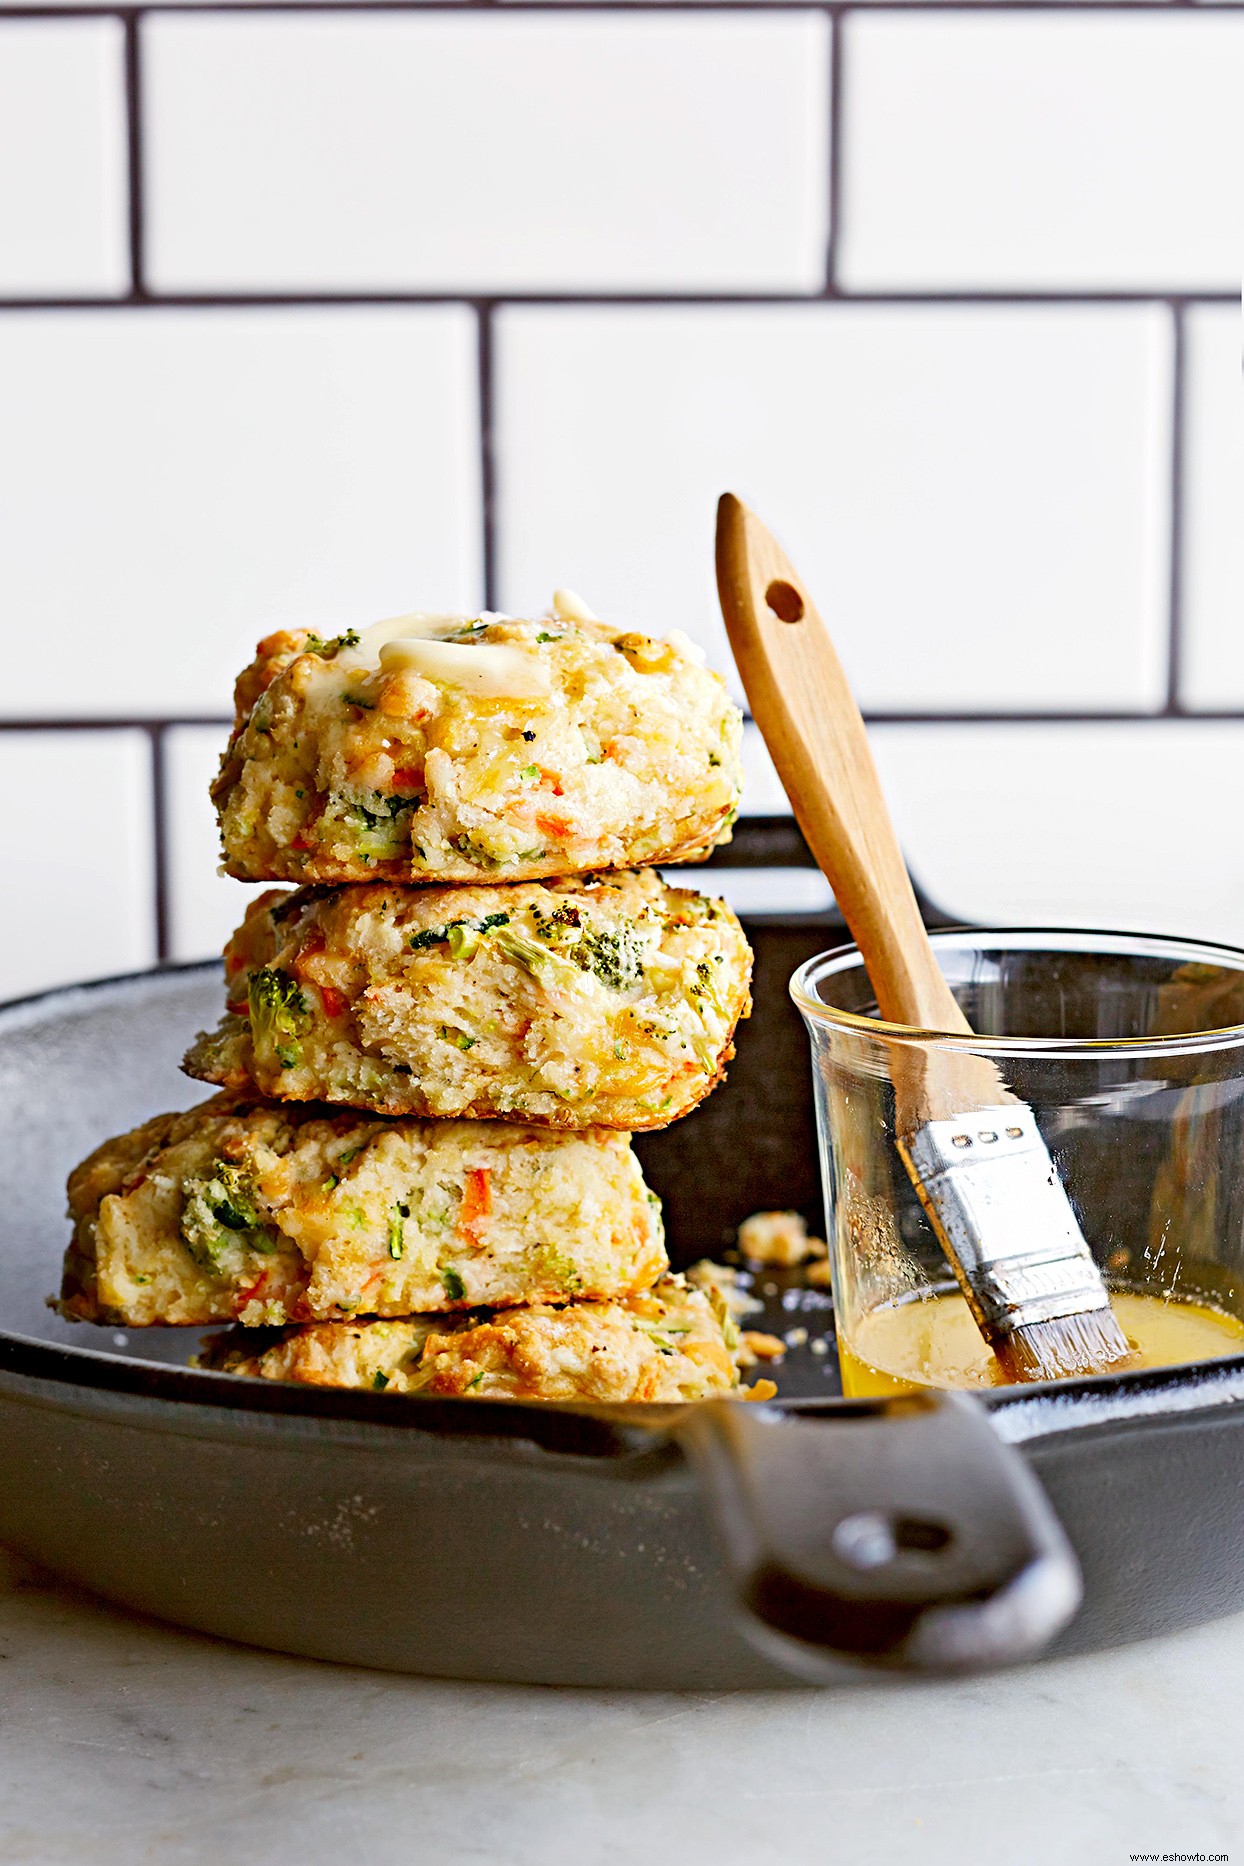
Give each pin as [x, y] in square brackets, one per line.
[994, 1197]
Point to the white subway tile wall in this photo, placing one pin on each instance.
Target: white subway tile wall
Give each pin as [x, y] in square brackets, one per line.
[316, 315]
[759, 890]
[1213, 484]
[77, 856]
[64, 209]
[992, 549]
[204, 906]
[176, 483]
[1099, 825]
[528, 153]
[1021, 151]
[762, 786]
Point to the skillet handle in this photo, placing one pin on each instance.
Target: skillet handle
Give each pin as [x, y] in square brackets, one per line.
[903, 1534]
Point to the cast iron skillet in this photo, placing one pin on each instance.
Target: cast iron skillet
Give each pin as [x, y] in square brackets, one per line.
[723, 1545]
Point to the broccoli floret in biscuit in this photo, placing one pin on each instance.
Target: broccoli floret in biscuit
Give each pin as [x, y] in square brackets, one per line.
[278, 1015]
[615, 958]
[220, 1210]
[328, 650]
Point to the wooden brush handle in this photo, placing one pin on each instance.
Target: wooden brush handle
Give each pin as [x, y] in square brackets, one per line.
[801, 701]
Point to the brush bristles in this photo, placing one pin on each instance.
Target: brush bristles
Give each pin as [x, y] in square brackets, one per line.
[1071, 1347]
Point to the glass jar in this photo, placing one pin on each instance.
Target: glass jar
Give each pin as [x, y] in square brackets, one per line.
[1130, 1051]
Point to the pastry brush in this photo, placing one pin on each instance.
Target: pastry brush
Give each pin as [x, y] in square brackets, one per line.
[973, 1150]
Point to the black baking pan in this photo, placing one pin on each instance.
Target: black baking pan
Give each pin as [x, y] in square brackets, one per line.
[718, 1546]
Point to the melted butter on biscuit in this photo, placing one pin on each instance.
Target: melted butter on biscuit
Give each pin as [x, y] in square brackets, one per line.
[490, 670]
[568, 606]
[420, 625]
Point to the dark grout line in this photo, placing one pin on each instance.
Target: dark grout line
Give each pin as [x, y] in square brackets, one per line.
[1174, 666]
[208, 301]
[487, 455]
[1146, 9]
[836, 38]
[1114, 716]
[134, 153]
[160, 843]
[118, 723]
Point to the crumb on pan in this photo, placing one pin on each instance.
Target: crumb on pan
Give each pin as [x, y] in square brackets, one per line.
[779, 1239]
[668, 1344]
[476, 748]
[723, 1281]
[762, 1347]
[271, 1213]
[610, 1000]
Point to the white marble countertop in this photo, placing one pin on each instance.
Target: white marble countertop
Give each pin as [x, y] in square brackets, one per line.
[124, 1742]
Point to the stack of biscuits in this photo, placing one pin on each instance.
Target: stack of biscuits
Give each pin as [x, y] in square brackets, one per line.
[416, 1174]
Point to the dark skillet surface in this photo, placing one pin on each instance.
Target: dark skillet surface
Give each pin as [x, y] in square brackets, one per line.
[75, 1067]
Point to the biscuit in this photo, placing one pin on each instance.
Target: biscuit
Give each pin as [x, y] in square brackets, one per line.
[269, 1214]
[669, 1344]
[475, 749]
[609, 1001]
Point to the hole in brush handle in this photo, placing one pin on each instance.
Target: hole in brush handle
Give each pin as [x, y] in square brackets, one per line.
[784, 600]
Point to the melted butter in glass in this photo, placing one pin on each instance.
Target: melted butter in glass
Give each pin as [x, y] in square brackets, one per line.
[937, 1344]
